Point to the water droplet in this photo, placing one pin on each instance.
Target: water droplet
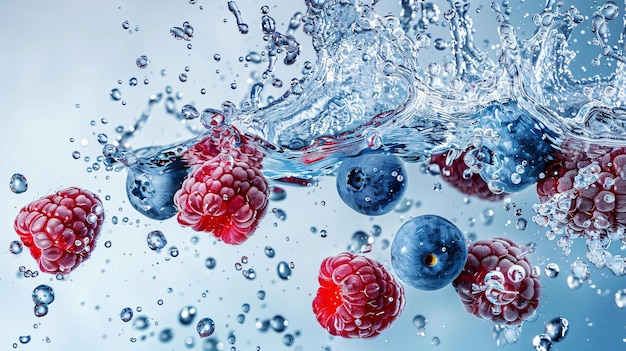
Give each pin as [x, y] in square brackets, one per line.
[284, 271]
[260, 294]
[205, 327]
[521, 224]
[126, 314]
[269, 252]
[210, 262]
[288, 340]
[141, 323]
[280, 214]
[43, 294]
[16, 247]
[574, 283]
[18, 183]
[24, 339]
[420, 321]
[542, 342]
[435, 341]
[156, 240]
[116, 94]
[125, 25]
[41, 310]
[620, 298]
[186, 315]
[552, 270]
[557, 328]
[516, 273]
[166, 335]
[190, 112]
[182, 77]
[142, 61]
[278, 323]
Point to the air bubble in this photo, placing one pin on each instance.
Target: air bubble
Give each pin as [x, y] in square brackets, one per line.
[552, 270]
[187, 315]
[116, 94]
[580, 270]
[419, 321]
[156, 240]
[142, 61]
[557, 328]
[284, 271]
[620, 298]
[126, 314]
[43, 294]
[210, 263]
[521, 224]
[278, 323]
[269, 252]
[16, 247]
[542, 342]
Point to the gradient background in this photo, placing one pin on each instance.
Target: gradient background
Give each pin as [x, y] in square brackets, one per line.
[58, 63]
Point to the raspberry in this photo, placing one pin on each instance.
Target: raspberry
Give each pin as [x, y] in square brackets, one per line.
[458, 175]
[226, 194]
[583, 194]
[498, 283]
[61, 229]
[357, 298]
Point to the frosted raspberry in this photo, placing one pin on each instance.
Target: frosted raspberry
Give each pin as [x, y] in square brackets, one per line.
[498, 283]
[583, 194]
[457, 174]
[61, 229]
[226, 195]
[357, 298]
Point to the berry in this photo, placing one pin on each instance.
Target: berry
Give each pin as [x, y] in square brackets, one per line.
[150, 186]
[61, 229]
[357, 297]
[498, 282]
[583, 194]
[456, 173]
[226, 194]
[513, 150]
[371, 184]
[428, 252]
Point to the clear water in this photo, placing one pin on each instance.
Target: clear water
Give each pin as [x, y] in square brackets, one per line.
[411, 77]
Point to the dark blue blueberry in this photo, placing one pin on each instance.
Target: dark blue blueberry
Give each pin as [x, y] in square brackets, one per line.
[428, 252]
[371, 184]
[151, 185]
[512, 161]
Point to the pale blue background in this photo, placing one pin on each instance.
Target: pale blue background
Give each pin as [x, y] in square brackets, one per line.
[59, 61]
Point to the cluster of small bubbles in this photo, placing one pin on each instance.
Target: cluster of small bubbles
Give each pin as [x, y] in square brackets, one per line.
[620, 298]
[187, 315]
[280, 214]
[16, 247]
[156, 240]
[210, 262]
[142, 61]
[205, 327]
[166, 335]
[580, 270]
[126, 314]
[283, 270]
[18, 183]
[552, 270]
[186, 32]
[269, 251]
[141, 323]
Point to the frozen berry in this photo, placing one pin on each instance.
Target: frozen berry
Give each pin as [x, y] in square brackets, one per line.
[357, 297]
[583, 194]
[455, 172]
[226, 195]
[498, 282]
[371, 184]
[61, 229]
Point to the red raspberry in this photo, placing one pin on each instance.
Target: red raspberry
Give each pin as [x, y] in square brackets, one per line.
[61, 229]
[498, 283]
[357, 298]
[226, 195]
[453, 174]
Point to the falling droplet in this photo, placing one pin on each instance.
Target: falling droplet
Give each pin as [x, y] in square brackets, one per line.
[284, 271]
[18, 183]
[205, 327]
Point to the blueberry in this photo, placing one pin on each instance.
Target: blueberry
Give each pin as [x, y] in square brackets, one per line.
[371, 184]
[428, 252]
[512, 161]
[150, 186]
